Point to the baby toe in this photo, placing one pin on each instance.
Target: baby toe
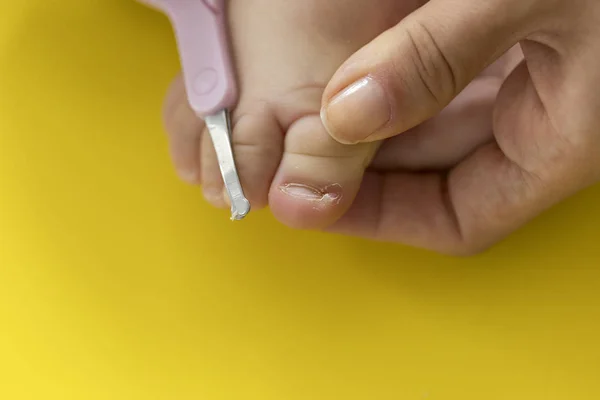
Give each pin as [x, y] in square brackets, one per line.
[257, 142]
[257, 146]
[318, 178]
[184, 130]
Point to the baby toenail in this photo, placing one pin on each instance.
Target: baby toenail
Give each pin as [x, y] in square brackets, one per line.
[188, 176]
[214, 195]
[330, 194]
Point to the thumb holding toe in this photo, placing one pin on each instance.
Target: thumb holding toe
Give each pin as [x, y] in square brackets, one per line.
[412, 71]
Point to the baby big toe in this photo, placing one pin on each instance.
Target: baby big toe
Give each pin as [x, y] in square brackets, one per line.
[318, 178]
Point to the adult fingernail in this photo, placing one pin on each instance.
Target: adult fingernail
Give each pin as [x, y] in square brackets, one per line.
[358, 112]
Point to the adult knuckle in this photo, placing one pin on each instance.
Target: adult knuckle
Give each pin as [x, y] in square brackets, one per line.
[433, 68]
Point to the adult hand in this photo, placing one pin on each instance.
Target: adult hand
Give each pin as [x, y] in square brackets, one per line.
[546, 121]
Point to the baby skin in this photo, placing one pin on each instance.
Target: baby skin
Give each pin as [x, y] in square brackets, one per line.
[285, 53]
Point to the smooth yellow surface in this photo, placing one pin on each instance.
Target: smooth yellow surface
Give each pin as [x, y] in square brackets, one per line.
[118, 282]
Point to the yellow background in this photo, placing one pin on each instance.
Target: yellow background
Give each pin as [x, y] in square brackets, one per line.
[118, 282]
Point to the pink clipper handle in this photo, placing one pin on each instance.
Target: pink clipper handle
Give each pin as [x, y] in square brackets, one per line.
[201, 30]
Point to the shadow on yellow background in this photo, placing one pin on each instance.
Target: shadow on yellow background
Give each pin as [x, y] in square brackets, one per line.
[118, 282]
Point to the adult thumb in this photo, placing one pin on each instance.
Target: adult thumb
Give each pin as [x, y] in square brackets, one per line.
[412, 71]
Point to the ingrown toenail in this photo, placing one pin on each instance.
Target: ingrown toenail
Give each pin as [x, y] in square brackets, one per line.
[329, 194]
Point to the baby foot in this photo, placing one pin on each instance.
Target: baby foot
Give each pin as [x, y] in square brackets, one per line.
[285, 54]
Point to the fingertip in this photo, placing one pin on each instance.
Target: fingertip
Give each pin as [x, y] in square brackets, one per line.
[359, 113]
[333, 133]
